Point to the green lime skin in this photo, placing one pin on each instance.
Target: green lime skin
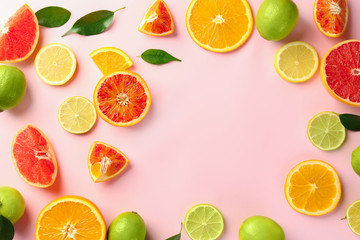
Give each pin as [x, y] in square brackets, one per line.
[127, 226]
[276, 19]
[355, 160]
[260, 228]
[12, 204]
[12, 87]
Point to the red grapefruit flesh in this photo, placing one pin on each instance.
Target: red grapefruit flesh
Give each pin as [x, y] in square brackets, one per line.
[19, 36]
[34, 157]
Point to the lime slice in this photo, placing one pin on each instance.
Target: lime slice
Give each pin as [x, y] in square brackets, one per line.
[77, 115]
[353, 217]
[204, 222]
[325, 131]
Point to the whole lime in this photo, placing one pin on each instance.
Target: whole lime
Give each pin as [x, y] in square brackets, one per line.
[127, 226]
[12, 203]
[276, 19]
[260, 228]
[355, 160]
[12, 87]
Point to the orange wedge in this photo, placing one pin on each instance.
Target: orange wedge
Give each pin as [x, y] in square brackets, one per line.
[157, 20]
[313, 188]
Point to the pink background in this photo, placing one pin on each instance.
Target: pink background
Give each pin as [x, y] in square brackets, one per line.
[223, 129]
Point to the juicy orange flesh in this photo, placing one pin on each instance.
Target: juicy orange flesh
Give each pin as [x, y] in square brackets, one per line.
[121, 98]
[342, 71]
[219, 24]
[34, 159]
[109, 62]
[158, 19]
[18, 35]
[312, 188]
[106, 161]
[69, 221]
[331, 15]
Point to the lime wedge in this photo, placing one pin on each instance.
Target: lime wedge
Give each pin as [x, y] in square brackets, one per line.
[204, 222]
[325, 131]
[353, 217]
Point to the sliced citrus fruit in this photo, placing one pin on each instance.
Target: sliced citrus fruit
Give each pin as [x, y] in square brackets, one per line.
[325, 131]
[55, 64]
[77, 115]
[313, 188]
[70, 217]
[204, 222]
[157, 20]
[19, 35]
[353, 217]
[296, 61]
[122, 98]
[219, 26]
[331, 16]
[110, 59]
[34, 157]
[340, 72]
[105, 162]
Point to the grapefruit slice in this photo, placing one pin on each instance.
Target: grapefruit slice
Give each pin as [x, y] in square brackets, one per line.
[34, 157]
[122, 98]
[105, 162]
[331, 16]
[19, 36]
[340, 72]
[157, 20]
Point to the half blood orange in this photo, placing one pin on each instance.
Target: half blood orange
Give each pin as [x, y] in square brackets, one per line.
[331, 16]
[340, 72]
[122, 98]
[157, 21]
[105, 162]
[34, 157]
[19, 36]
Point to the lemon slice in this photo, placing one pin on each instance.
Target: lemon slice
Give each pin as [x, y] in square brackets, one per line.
[77, 115]
[296, 61]
[204, 222]
[325, 131]
[353, 217]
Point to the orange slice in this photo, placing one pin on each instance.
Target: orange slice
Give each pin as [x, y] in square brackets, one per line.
[313, 188]
[331, 16]
[221, 25]
[122, 98]
[157, 20]
[105, 162]
[70, 217]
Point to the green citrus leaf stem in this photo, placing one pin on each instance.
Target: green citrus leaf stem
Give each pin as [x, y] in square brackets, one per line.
[350, 121]
[7, 230]
[157, 56]
[52, 16]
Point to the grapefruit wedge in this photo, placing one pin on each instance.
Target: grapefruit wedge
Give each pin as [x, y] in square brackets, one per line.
[34, 157]
[19, 35]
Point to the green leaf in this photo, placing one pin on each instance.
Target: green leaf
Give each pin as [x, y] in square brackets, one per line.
[350, 121]
[52, 16]
[93, 23]
[7, 230]
[157, 57]
[177, 236]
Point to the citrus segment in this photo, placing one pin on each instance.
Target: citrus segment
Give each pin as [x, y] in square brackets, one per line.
[34, 157]
[70, 217]
[313, 188]
[19, 35]
[110, 59]
[296, 61]
[55, 64]
[122, 98]
[157, 20]
[105, 162]
[331, 16]
[353, 217]
[219, 26]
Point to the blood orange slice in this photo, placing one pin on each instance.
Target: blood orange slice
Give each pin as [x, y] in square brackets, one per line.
[331, 16]
[19, 36]
[122, 98]
[34, 157]
[340, 72]
[105, 162]
[157, 21]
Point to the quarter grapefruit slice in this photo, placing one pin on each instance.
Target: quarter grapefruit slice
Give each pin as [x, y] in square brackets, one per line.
[340, 72]
[34, 157]
[19, 35]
